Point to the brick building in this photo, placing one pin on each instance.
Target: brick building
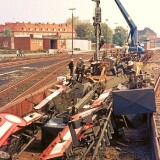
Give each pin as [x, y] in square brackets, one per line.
[146, 34]
[35, 36]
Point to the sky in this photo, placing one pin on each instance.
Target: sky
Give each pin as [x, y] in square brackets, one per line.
[144, 13]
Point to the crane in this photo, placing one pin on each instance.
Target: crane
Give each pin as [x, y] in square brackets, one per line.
[133, 28]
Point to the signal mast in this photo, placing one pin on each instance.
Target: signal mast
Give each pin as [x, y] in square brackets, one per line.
[97, 27]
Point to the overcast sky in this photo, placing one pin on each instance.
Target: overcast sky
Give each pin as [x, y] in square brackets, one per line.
[145, 13]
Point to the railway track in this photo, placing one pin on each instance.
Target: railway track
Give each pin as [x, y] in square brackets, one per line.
[153, 66]
[29, 60]
[34, 82]
[156, 122]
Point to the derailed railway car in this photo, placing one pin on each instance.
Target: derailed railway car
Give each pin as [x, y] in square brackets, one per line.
[79, 115]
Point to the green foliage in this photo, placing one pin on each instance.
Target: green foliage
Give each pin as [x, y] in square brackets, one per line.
[76, 21]
[7, 32]
[107, 33]
[85, 29]
[120, 36]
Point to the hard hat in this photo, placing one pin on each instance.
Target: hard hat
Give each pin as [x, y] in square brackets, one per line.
[80, 58]
[130, 63]
[71, 59]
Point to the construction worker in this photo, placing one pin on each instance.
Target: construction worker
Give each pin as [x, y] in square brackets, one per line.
[80, 70]
[71, 67]
[126, 48]
[101, 42]
[21, 52]
[140, 50]
[18, 53]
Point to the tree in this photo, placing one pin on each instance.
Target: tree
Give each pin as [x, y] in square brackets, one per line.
[85, 30]
[107, 33]
[76, 21]
[7, 32]
[120, 36]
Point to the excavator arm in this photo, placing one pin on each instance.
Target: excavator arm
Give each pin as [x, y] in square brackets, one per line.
[133, 27]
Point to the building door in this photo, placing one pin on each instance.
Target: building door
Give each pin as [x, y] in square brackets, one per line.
[52, 44]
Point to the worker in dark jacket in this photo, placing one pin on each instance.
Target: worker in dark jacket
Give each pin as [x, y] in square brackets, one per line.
[140, 50]
[80, 70]
[71, 67]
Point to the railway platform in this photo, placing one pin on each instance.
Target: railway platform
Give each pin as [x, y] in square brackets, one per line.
[26, 54]
[37, 54]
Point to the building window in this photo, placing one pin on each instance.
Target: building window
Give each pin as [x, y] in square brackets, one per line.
[5, 44]
[36, 29]
[23, 29]
[54, 29]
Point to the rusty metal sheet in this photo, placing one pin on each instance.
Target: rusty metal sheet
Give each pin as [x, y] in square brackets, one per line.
[134, 101]
[24, 105]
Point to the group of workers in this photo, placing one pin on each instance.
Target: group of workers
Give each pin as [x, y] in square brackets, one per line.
[19, 53]
[139, 48]
[80, 67]
[79, 70]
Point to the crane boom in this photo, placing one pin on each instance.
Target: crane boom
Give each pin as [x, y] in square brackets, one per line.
[133, 28]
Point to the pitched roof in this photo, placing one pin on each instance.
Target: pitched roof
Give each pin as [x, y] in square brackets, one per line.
[36, 27]
[146, 30]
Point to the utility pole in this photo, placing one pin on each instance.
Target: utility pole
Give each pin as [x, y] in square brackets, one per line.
[72, 27]
[96, 24]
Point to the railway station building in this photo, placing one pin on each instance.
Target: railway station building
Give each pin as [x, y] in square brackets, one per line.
[35, 36]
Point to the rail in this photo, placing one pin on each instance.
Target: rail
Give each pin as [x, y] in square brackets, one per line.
[37, 79]
[155, 122]
[34, 82]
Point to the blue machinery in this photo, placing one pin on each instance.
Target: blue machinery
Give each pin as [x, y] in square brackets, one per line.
[133, 28]
[97, 20]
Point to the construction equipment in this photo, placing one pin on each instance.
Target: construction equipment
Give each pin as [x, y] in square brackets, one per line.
[133, 28]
